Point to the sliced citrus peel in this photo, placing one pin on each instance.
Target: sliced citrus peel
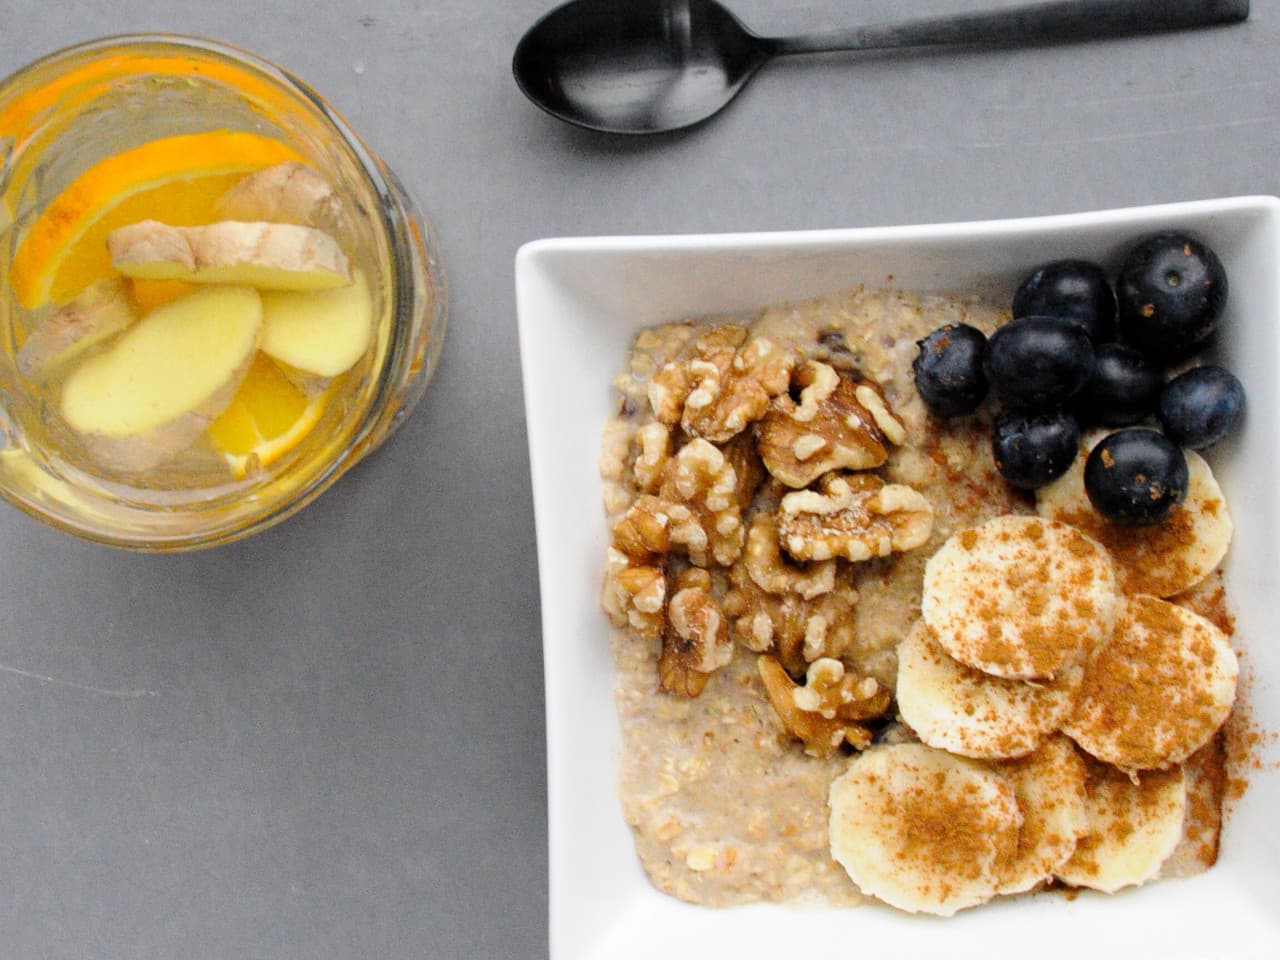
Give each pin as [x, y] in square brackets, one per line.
[149, 294]
[268, 417]
[65, 249]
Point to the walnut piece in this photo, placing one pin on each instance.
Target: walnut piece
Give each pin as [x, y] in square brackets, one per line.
[774, 573]
[831, 708]
[643, 532]
[635, 594]
[839, 422]
[700, 495]
[856, 517]
[696, 640]
[746, 463]
[724, 388]
[696, 512]
[635, 583]
[653, 451]
[797, 629]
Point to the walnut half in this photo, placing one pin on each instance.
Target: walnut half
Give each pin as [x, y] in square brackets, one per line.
[772, 572]
[701, 483]
[653, 451]
[635, 582]
[830, 709]
[635, 594]
[724, 388]
[695, 512]
[799, 612]
[856, 517]
[696, 641]
[839, 422]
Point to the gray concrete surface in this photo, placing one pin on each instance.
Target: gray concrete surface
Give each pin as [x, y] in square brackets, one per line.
[327, 742]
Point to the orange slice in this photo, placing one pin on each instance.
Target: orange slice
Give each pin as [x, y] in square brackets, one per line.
[149, 294]
[176, 179]
[268, 417]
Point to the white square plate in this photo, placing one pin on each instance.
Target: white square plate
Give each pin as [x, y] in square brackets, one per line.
[581, 301]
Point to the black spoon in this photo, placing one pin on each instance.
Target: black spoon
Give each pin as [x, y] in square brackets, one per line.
[648, 66]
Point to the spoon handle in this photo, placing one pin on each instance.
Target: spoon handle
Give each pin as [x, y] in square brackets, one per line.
[1047, 22]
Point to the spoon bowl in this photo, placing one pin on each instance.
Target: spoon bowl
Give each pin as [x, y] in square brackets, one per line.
[641, 67]
[650, 66]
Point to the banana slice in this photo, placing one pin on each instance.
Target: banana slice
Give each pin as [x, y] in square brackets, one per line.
[1160, 560]
[1131, 828]
[957, 708]
[1050, 787]
[922, 830]
[1158, 691]
[1019, 597]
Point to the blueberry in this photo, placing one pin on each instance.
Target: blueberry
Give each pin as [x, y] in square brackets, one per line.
[1075, 290]
[1201, 406]
[1030, 449]
[948, 369]
[1136, 476]
[1171, 292]
[1038, 363]
[1123, 388]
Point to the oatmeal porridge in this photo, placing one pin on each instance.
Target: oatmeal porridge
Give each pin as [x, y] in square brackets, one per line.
[776, 490]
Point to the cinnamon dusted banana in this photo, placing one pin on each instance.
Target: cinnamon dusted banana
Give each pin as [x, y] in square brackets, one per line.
[1131, 828]
[1019, 597]
[1050, 786]
[957, 708]
[922, 830]
[1158, 691]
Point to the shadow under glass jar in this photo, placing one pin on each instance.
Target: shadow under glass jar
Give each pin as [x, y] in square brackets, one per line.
[71, 110]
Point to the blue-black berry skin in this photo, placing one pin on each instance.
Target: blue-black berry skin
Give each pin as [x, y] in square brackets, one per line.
[1171, 293]
[1038, 363]
[1136, 476]
[1032, 449]
[1075, 290]
[1123, 390]
[948, 370]
[1200, 407]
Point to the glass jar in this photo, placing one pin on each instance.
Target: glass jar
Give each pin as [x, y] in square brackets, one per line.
[63, 114]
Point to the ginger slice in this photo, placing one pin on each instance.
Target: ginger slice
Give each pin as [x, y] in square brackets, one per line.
[321, 332]
[152, 393]
[289, 192]
[268, 256]
[99, 313]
